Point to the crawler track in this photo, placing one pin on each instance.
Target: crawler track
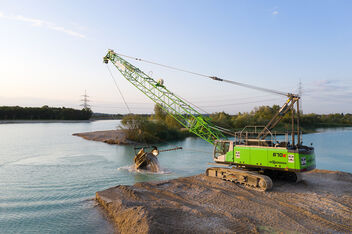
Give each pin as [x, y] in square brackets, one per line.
[249, 179]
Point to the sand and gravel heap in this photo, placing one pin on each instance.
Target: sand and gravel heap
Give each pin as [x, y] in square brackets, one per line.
[108, 136]
[322, 203]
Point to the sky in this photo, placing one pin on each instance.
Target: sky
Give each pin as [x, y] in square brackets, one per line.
[51, 52]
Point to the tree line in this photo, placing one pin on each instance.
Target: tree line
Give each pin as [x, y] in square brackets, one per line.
[163, 127]
[263, 114]
[43, 113]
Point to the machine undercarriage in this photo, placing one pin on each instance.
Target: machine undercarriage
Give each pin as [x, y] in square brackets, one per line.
[260, 180]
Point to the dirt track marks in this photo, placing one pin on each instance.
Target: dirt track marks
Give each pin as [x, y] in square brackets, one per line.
[322, 203]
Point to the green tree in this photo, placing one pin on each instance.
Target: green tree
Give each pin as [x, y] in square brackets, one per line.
[140, 129]
[222, 119]
[159, 113]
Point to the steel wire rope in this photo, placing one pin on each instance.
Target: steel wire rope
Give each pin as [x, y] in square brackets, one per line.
[163, 66]
[201, 100]
[112, 76]
[218, 128]
[191, 103]
[197, 151]
[199, 107]
[207, 76]
[212, 77]
[221, 129]
[172, 145]
[151, 145]
[215, 98]
[241, 103]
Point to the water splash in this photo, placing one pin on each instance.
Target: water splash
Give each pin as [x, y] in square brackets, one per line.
[153, 164]
[131, 168]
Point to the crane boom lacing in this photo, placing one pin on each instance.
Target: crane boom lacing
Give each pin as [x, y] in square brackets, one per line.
[184, 113]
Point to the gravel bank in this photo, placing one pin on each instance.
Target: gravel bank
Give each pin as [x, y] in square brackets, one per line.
[108, 136]
[321, 203]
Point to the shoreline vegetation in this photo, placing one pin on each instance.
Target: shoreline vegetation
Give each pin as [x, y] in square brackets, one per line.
[162, 127]
[11, 113]
[263, 114]
[157, 128]
[20, 121]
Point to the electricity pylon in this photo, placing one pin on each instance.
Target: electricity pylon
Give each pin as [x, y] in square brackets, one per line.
[85, 100]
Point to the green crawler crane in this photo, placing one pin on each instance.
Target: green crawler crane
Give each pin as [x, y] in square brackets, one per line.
[254, 156]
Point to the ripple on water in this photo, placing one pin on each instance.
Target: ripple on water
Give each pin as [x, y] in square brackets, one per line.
[48, 177]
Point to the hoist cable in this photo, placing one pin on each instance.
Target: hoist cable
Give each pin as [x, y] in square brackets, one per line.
[162, 65]
[112, 76]
[207, 76]
[192, 104]
[241, 103]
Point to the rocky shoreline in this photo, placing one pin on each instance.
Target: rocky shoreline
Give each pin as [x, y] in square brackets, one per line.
[322, 202]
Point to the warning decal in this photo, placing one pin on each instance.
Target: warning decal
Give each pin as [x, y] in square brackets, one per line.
[238, 154]
[291, 158]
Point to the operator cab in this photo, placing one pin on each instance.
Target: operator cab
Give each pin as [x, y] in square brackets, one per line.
[221, 148]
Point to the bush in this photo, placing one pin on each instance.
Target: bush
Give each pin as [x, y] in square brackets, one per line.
[141, 129]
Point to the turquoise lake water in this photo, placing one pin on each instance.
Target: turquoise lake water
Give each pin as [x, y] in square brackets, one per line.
[48, 178]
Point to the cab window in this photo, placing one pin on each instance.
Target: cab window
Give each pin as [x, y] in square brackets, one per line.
[221, 148]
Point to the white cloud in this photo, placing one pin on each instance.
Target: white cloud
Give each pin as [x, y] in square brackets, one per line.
[42, 23]
[275, 13]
